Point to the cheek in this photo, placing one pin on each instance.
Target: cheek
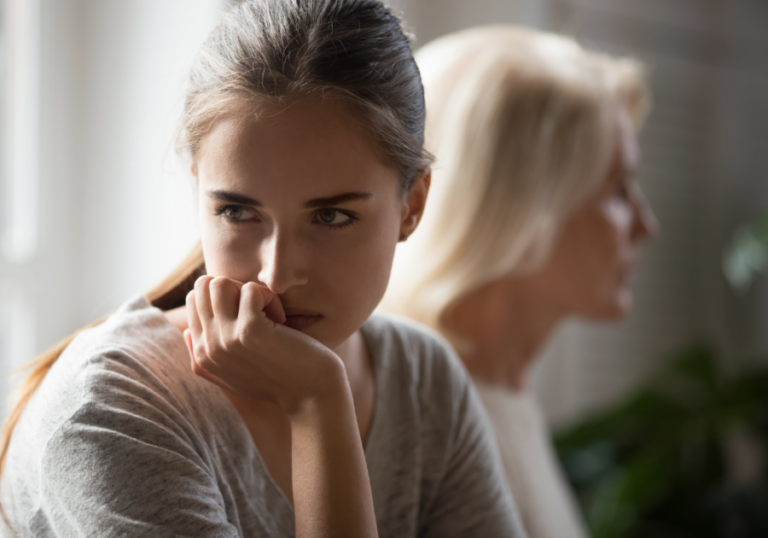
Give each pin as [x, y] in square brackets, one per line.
[584, 261]
[617, 216]
[606, 236]
[359, 269]
[226, 253]
[349, 280]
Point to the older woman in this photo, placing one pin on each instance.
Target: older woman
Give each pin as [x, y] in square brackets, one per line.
[533, 217]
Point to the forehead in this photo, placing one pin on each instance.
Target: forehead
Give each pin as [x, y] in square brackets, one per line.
[309, 149]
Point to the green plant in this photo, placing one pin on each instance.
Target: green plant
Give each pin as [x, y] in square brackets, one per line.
[656, 465]
[746, 256]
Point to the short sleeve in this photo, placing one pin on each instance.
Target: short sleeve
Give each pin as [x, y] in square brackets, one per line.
[125, 465]
[472, 498]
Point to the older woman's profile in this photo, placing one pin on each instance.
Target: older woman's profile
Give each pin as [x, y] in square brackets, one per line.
[534, 216]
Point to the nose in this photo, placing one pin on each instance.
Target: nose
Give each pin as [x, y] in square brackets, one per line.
[645, 225]
[282, 267]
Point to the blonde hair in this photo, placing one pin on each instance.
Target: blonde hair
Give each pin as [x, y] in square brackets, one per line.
[273, 52]
[522, 124]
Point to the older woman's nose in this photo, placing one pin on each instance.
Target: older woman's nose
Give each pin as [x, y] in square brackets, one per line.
[645, 225]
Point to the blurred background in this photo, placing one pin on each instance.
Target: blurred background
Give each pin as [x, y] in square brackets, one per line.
[95, 206]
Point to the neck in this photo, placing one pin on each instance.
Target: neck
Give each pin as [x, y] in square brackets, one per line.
[505, 324]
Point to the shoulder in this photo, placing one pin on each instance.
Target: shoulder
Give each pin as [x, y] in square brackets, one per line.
[135, 354]
[429, 427]
[408, 346]
[129, 372]
[418, 369]
[120, 409]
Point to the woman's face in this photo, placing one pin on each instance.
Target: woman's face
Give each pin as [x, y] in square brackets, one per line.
[592, 263]
[300, 201]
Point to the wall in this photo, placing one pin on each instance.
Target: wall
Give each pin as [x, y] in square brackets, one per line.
[115, 211]
[703, 170]
[115, 208]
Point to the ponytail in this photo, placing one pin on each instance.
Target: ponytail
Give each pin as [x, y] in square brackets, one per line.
[169, 294]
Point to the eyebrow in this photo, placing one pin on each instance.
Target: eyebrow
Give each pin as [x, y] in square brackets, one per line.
[237, 198]
[233, 197]
[338, 199]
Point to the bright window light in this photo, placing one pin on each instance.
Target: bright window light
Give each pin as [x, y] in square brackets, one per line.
[20, 123]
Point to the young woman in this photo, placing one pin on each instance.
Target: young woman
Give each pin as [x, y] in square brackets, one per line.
[534, 216]
[261, 399]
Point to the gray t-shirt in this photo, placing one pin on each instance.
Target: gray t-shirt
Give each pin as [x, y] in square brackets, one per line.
[122, 439]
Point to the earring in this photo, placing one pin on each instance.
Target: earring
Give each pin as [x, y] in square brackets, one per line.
[403, 238]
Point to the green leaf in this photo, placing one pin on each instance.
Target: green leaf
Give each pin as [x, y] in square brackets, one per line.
[746, 256]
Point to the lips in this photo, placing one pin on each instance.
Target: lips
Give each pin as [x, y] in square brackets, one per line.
[301, 322]
[300, 319]
[626, 273]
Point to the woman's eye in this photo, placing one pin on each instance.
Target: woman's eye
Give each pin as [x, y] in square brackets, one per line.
[334, 217]
[236, 213]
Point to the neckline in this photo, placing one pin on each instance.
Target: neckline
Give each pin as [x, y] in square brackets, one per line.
[377, 400]
[501, 390]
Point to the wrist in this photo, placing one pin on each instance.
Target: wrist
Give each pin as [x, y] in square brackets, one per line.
[329, 391]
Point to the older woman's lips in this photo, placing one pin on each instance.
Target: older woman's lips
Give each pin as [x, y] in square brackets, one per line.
[301, 320]
[627, 274]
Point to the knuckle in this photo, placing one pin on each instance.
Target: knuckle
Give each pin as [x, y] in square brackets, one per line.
[246, 335]
[243, 340]
[202, 281]
[213, 348]
[205, 363]
[220, 347]
[199, 349]
[226, 346]
[197, 369]
[218, 282]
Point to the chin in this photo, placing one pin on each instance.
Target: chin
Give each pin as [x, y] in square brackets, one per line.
[328, 335]
[614, 309]
[620, 307]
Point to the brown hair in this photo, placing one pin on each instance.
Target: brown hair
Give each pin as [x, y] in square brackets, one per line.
[275, 52]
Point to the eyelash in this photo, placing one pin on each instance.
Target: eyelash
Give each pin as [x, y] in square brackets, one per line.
[353, 217]
[222, 212]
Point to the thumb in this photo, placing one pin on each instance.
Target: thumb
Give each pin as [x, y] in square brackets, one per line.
[274, 309]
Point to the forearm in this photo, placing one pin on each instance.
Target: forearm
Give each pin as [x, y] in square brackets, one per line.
[331, 488]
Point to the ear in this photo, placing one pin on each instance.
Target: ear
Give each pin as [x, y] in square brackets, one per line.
[193, 168]
[413, 205]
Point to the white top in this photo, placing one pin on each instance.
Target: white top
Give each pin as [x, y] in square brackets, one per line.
[122, 439]
[544, 501]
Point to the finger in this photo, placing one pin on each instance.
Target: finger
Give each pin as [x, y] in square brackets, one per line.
[203, 299]
[193, 319]
[251, 303]
[188, 341]
[195, 338]
[274, 310]
[224, 299]
[199, 370]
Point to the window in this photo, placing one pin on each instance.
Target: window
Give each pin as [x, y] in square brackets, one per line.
[19, 148]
